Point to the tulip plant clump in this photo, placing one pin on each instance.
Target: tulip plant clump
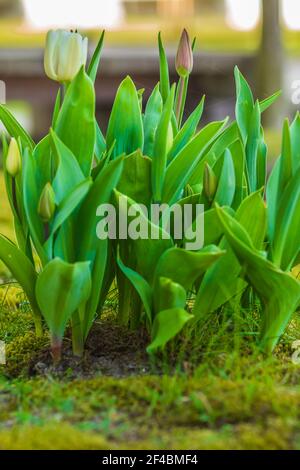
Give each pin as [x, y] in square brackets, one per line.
[150, 154]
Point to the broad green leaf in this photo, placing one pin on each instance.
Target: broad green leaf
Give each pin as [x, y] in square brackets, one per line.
[224, 140]
[57, 106]
[141, 285]
[75, 124]
[100, 146]
[226, 180]
[98, 280]
[295, 142]
[184, 267]
[31, 196]
[164, 71]
[68, 173]
[70, 203]
[212, 228]
[167, 324]
[272, 198]
[125, 126]
[86, 222]
[252, 215]
[168, 294]
[286, 246]
[244, 104]
[21, 268]
[182, 166]
[60, 289]
[135, 180]
[221, 282]
[151, 120]
[43, 158]
[239, 159]
[270, 283]
[14, 128]
[187, 131]
[95, 61]
[159, 160]
[252, 148]
[261, 169]
[266, 103]
[149, 250]
[286, 160]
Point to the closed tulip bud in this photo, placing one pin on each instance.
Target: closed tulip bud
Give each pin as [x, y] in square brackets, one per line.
[65, 54]
[184, 58]
[46, 207]
[210, 182]
[13, 159]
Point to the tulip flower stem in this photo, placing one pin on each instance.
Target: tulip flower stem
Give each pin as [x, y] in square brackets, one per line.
[77, 336]
[181, 99]
[56, 347]
[63, 91]
[38, 325]
[46, 231]
[14, 195]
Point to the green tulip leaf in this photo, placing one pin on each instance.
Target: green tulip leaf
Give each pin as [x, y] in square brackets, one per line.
[95, 61]
[135, 181]
[68, 174]
[182, 166]
[164, 71]
[184, 267]
[160, 150]
[270, 283]
[187, 131]
[151, 120]
[125, 127]
[60, 290]
[21, 268]
[167, 324]
[75, 124]
[168, 294]
[14, 128]
[140, 284]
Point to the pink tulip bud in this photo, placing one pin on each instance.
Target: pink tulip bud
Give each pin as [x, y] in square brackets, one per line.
[184, 58]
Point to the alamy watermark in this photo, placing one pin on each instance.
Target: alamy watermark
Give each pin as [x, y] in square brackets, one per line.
[160, 221]
[2, 92]
[295, 97]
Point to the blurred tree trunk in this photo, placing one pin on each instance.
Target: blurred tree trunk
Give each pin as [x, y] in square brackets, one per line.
[270, 60]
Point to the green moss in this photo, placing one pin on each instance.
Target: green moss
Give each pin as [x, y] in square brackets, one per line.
[50, 437]
[17, 331]
[274, 435]
[253, 406]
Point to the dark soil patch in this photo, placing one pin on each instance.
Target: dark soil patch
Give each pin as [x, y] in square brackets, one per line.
[110, 350]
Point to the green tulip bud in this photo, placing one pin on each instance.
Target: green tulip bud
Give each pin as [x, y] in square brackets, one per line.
[46, 207]
[184, 58]
[65, 53]
[13, 159]
[210, 182]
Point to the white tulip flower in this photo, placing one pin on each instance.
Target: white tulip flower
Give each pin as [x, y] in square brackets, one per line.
[65, 53]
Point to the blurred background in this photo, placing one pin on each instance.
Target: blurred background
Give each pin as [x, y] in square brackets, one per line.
[261, 36]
